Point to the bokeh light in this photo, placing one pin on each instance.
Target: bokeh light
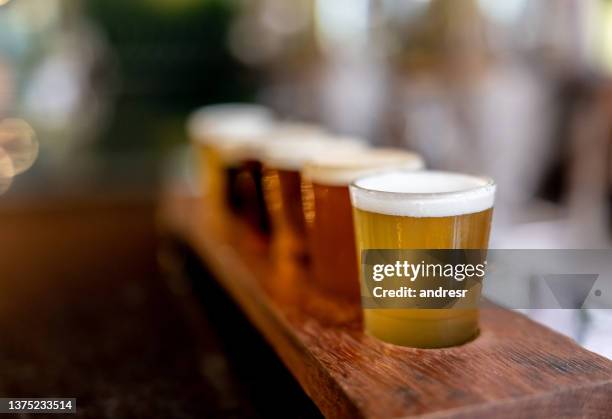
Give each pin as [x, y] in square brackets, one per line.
[18, 143]
[7, 171]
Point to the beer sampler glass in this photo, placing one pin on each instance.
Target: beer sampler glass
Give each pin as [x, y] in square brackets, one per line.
[250, 174]
[283, 162]
[242, 160]
[212, 127]
[422, 210]
[238, 189]
[329, 215]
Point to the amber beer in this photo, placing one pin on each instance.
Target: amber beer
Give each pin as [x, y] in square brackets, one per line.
[215, 128]
[283, 163]
[329, 215]
[422, 210]
[249, 176]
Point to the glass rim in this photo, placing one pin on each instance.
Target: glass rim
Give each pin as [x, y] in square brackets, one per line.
[488, 182]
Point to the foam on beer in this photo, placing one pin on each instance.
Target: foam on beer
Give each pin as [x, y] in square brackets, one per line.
[227, 122]
[293, 153]
[342, 168]
[253, 145]
[291, 129]
[423, 194]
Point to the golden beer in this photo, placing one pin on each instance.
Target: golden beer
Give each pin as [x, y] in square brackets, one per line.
[283, 163]
[217, 127]
[329, 215]
[422, 210]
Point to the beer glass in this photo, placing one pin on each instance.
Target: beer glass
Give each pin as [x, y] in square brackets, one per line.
[216, 126]
[422, 210]
[283, 162]
[249, 175]
[329, 215]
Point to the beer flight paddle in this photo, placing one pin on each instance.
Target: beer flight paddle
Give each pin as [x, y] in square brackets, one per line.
[362, 360]
[514, 367]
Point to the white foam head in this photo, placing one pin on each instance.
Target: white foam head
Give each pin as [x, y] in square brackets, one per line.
[292, 153]
[289, 129]
[254, 146]
[342, 168]
[423, 194]
[226, 122]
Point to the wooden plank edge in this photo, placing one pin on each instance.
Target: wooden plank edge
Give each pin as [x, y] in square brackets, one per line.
[308, 370]
[593, 400]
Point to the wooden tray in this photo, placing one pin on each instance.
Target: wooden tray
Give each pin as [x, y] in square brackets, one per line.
[515, 368]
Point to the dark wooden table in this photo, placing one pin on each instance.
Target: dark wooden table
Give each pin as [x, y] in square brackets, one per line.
[515, 368]
[85, 312]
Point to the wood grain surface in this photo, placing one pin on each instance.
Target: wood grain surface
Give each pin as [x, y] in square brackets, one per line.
[515, 368]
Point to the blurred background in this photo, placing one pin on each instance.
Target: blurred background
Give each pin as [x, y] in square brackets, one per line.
[520, 90]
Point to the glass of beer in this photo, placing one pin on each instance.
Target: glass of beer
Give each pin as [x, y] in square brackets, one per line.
[283, 162]
[422, 210]
[329, 215]
[215, 126]
[235, 173]
[249, 177]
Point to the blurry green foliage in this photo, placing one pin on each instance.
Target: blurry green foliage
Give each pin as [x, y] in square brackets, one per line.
[171, 56]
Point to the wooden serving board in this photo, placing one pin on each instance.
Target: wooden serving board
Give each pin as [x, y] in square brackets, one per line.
[514, 369]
